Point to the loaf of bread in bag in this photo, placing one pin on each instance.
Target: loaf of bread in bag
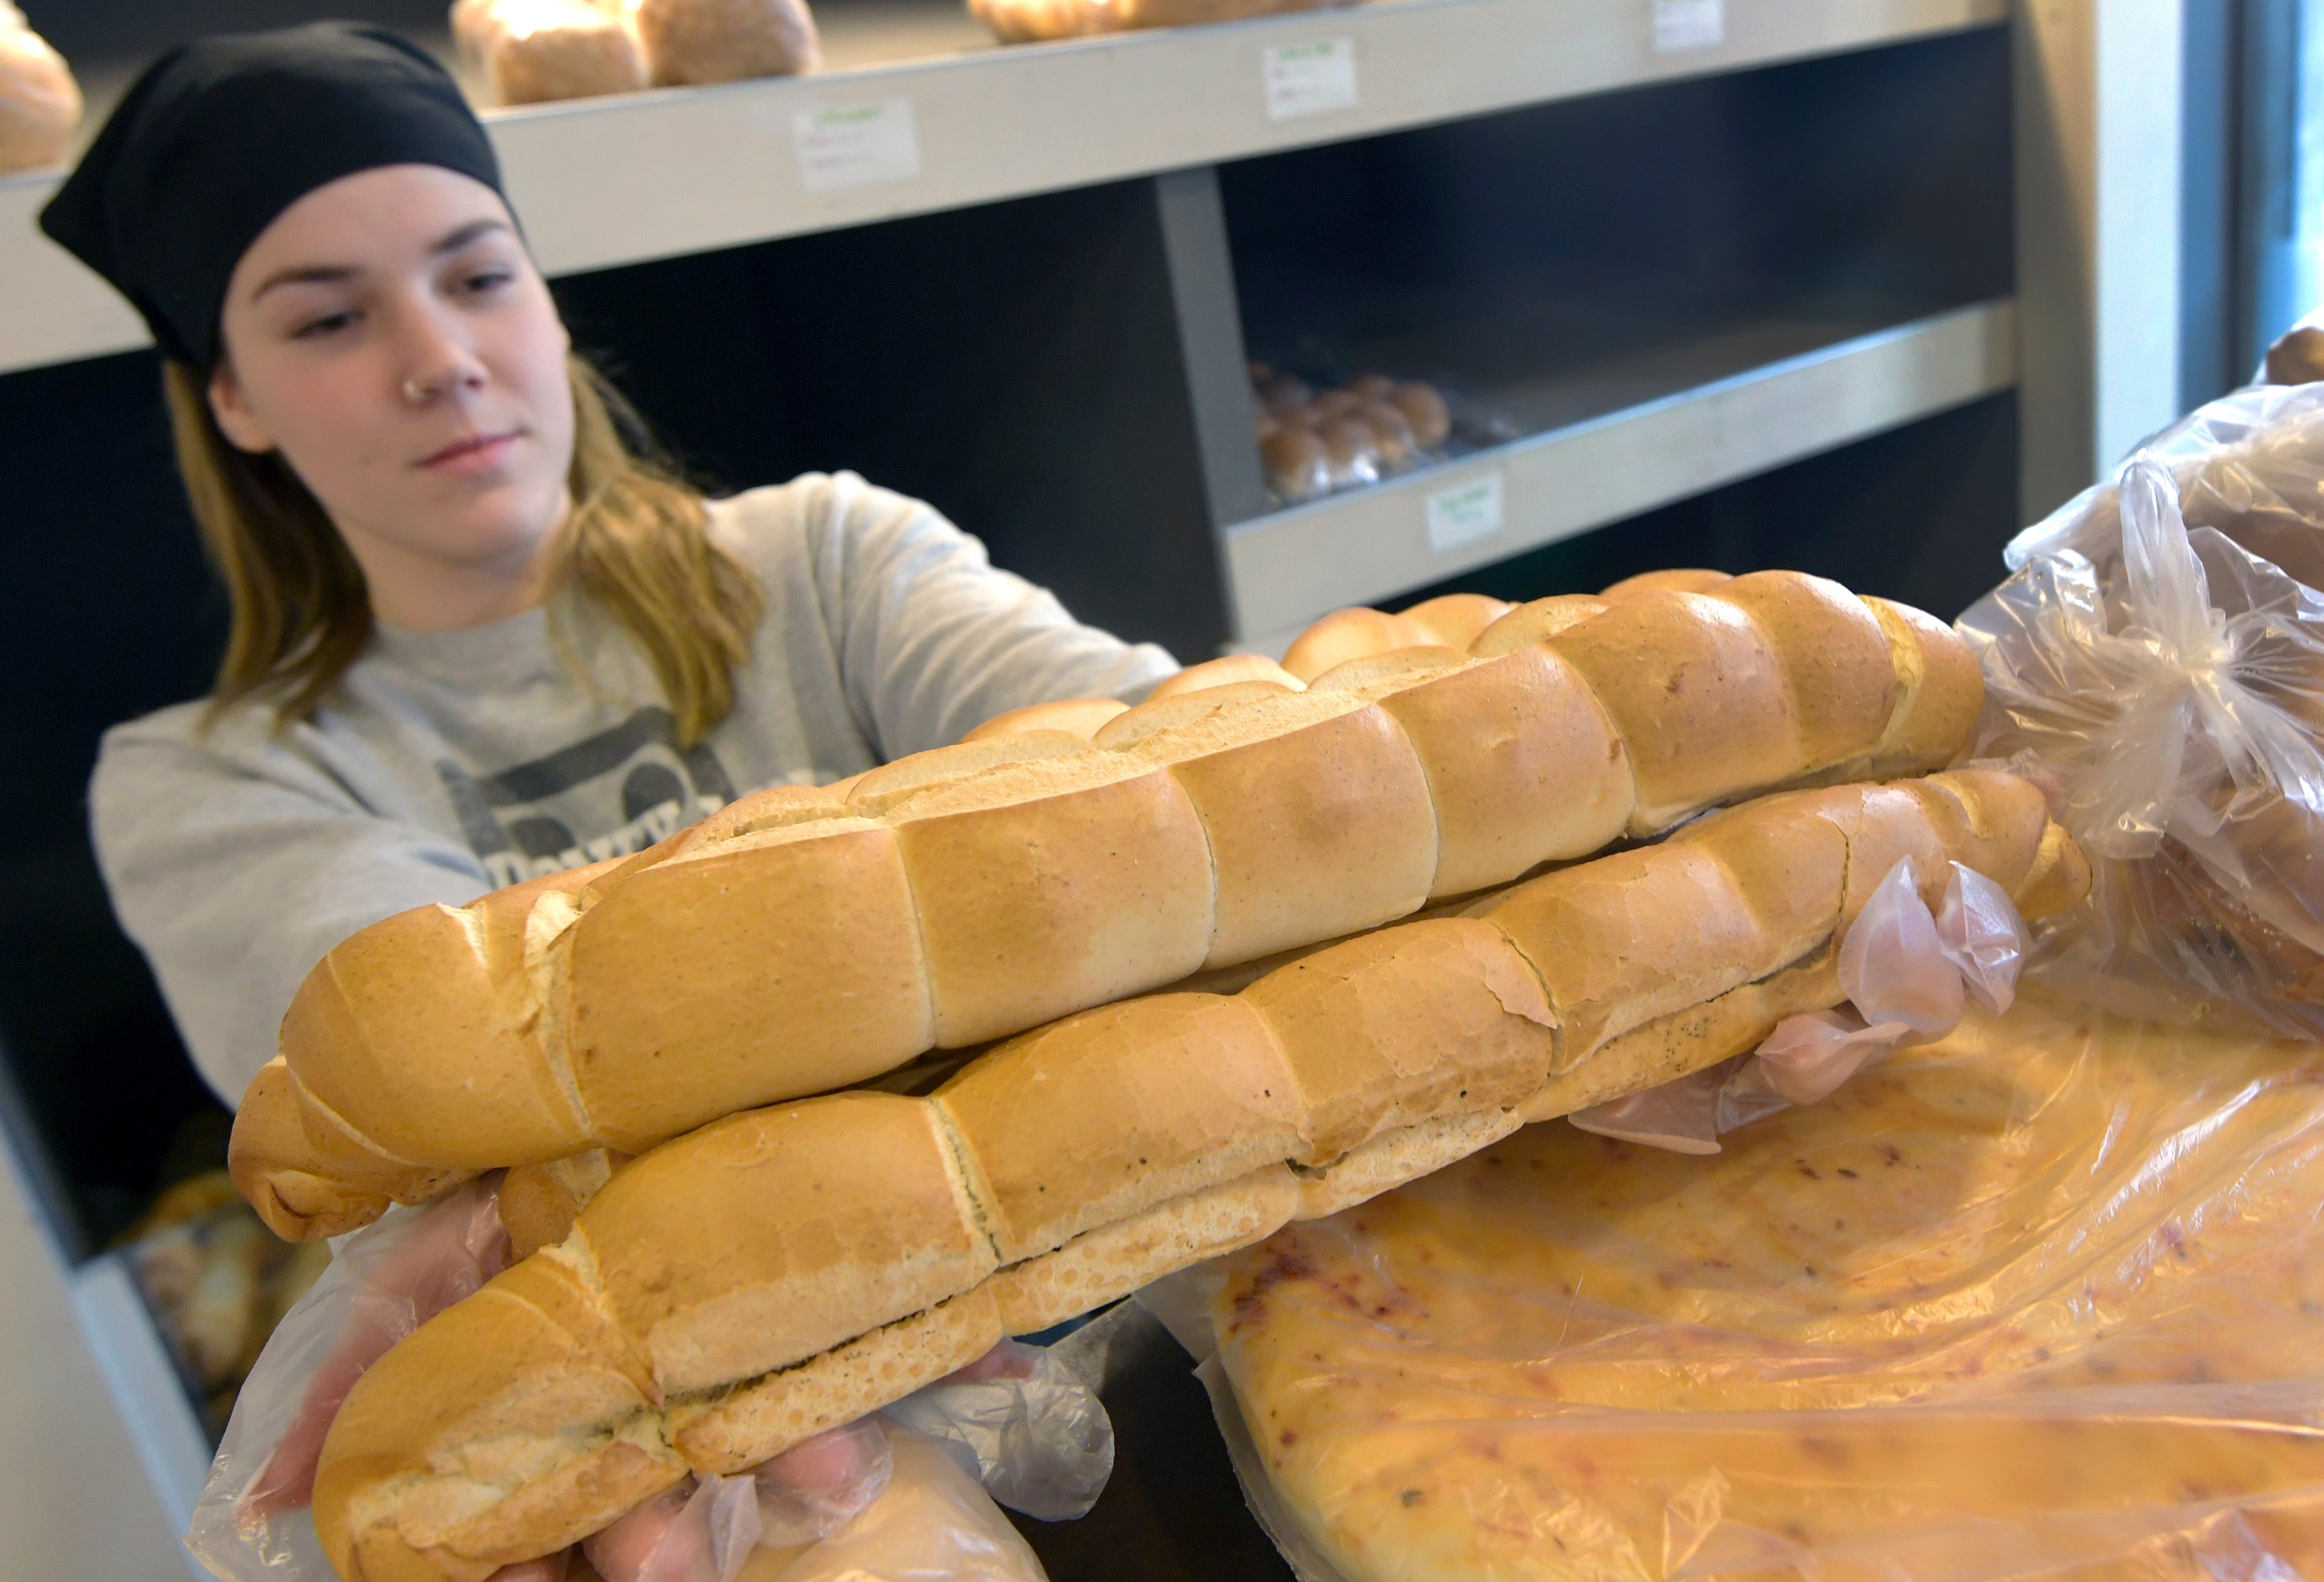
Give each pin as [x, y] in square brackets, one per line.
[786, 1270]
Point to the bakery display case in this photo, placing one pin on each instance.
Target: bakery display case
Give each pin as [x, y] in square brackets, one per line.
[1750, 296]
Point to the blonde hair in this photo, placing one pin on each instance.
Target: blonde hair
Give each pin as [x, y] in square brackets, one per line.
[637, 543]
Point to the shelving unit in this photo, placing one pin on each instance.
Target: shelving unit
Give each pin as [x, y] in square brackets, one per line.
[1693, 289]
[604, 182]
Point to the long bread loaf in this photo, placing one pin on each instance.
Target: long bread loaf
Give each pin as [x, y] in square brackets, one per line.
[786, 1270]
[809, 939]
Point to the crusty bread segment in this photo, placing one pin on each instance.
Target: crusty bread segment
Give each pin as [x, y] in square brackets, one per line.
[307, 1177]
[1316, 832]
[1699, 695]
[1634, 937]
[755, 969]
[1833, 656]
[524, 1390]
[1173, 1091]
[1112, 1261]
[818, 1221]
[1521, 763]
[423, 993]
[732, 1431]
[1404, 1025]
[1038, 908]
[1537, 621]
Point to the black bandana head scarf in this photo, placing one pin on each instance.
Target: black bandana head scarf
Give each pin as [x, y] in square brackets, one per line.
[219, 136]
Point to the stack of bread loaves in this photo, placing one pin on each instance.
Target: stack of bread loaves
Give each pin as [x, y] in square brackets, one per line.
[530, 51]
[787, 1269]
[40, 102]
[806, 939]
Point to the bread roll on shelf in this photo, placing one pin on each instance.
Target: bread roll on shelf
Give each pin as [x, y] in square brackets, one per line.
[40, 101]
[531, 51]
[724, 40]
[1022, 21]
[804, 939]
[786, 1270]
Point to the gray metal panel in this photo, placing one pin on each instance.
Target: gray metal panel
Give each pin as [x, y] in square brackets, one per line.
[1209, 334]
[1284, 570]
[169, 1443]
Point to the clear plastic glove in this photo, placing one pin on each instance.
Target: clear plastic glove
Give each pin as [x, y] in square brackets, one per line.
[251, 1524]
[697, 1532]
[1024, 1426]
[932, 1524]
[1909, 976]
[812, 1490]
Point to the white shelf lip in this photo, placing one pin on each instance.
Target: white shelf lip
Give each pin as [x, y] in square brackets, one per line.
[603, 182]
[1286, 569]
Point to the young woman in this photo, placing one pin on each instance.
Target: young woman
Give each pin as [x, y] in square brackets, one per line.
[475, 635]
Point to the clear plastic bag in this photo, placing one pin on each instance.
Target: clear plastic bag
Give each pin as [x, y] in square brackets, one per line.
[2043, 1299]
[1909, 974]
[251, 1522]
[2157, 664]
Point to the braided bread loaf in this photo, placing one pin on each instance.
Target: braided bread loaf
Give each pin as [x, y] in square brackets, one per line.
[786, 1270]
[809, 939]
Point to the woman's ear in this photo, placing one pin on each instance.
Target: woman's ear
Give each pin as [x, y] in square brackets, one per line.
[236, 419]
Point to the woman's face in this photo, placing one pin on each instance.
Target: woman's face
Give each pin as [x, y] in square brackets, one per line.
[389, 335]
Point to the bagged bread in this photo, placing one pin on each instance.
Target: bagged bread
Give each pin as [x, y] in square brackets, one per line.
[529, 51]
[806, 939]
[787, 1269]
[2158, 664]
[2038, 1300]
[40, 102]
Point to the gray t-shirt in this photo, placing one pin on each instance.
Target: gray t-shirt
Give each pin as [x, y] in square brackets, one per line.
[449, 763]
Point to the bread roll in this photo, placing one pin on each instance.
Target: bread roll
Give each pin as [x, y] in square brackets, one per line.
[724, 40]
[1682, 580]
[805, 938]
[1077, 717]
[40, 101]
[786, 1270]
[1456, 619]
[1425, 409]
[1351, 449]
[1226, 672]
[533, 51]
[1392, 430]
[1537, 621]
[1297, 462]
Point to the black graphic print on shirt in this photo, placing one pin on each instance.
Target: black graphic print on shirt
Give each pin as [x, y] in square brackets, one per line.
[607, 795]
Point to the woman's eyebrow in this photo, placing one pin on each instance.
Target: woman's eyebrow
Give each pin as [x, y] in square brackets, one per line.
[333, 274]
[457, 239]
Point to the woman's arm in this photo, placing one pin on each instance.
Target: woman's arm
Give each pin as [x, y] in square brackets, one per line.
[236, 864]
[932, 639]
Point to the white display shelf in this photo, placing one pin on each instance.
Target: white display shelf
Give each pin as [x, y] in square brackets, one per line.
[609, 181]
[1374, 544]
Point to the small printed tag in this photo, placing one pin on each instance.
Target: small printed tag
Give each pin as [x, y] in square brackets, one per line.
[1464, 513]
[856, 145]
[1689, 24]
[1309, 80]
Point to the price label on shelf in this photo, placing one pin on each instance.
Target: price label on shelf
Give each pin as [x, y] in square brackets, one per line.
[1689, 24]
[1464, 513]
[856, 145]
[1309, 80]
